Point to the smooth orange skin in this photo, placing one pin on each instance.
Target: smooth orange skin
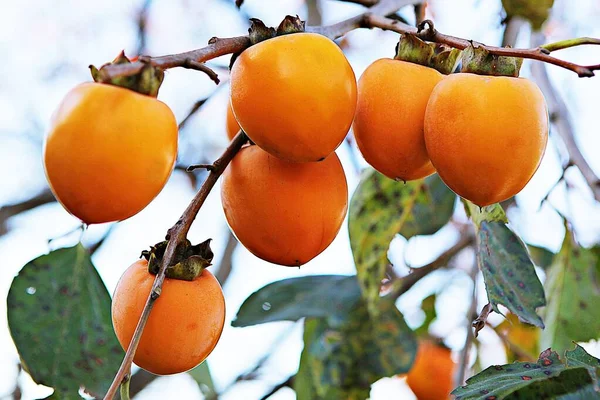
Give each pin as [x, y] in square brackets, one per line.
[388, 125]
[294, 96]
[185, 323]
[232, 125]
[431, 376]
[285, 213]
[109, 151]
[486, 135]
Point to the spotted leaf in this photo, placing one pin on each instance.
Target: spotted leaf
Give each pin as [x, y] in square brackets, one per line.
[380, 209]
[72, 343]
[573, 287]
[548, 378]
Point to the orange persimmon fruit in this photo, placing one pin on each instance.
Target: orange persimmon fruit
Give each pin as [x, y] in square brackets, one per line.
[431, 375]
[294, 96]
[486, 135]
[185, 324]
[283, 212]
[231, 124]
[388, 125]
[109, 151]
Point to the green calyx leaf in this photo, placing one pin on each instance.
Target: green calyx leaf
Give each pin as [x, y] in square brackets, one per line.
[433, 55]
[493, 213]
[189, 261]
[477, 60]
[146, 82]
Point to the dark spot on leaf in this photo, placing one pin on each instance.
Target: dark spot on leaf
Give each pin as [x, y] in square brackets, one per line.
[510, 273]
[82, 337]
[520, 307]
[117, 350]
[373, 228]
[527, 366]
[521, 285]
[547, 372]
[100, 342]
[484, 391]
[64, 290]
[46, 307]
[582, 305]
[491, 398]
[98, 361]
[526, 378]
[546, 362]
[498, 368]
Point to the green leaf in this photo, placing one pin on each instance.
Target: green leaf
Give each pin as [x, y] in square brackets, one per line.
[59, 319]
[546, 379]
[536, 11]
[344, 361]
[509, 275]
[428, 307]
[303, 382]
[380, 209]
[203, 378]
[325, 296]
[541, 256]
[573, 289]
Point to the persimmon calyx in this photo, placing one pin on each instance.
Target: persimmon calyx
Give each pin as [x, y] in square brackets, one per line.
[189, 261]
[146, 82]
[477, 60]
[259, 32]
[441, 57]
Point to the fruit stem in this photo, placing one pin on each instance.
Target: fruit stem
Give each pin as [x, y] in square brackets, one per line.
[176, 235]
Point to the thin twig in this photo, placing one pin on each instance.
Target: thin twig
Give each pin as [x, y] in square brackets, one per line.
[466, 351]
[366, 3]
[94, 248]
[208, 167]
[198, 66]
[402, 285]
[11, 210]
[558, 182]
[176, 236]
[562, 121]
[195, 108]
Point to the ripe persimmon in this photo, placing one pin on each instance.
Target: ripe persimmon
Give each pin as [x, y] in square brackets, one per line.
[388, 125]
[185, 323]
[486, 135]
[283, 212]
[431, 375]
[294, 96]
[109, 151]
[232, 125]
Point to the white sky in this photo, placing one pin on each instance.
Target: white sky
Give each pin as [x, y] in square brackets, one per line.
[47, 46]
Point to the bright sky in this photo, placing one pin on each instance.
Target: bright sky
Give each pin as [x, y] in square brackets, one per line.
[48, 46]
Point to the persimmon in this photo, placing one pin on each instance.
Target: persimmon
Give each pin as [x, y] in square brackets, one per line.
[486, 135]
[109, 151]
[431, 375]
[388, 125]
[283, 212]
[232, 125]
[185, 323]
[294, 96]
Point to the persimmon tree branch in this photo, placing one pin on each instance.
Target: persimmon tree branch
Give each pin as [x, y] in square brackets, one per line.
[426, 31]
[176, 236]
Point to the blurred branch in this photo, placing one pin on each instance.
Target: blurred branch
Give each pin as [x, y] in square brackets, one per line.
[142, 22]
[226, 263]
[513, 347]
[289, 382]
[176, 236]
[426, 31]
[512, 30]
[6, 212]
[561, 119]
[420, 10]
[366, 3]
[403, 284]
[464, 356]
[314, 16]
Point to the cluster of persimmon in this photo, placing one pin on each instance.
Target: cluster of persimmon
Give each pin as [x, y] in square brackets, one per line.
[112, 147]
